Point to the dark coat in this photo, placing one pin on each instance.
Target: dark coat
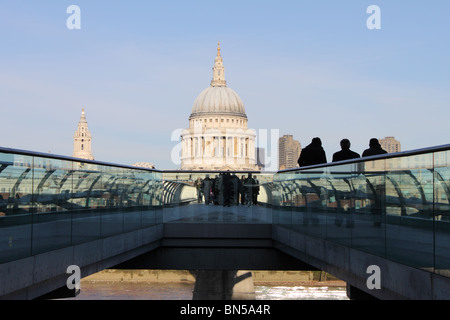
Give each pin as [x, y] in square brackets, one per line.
[373, 150]
[312, 154]
[345, 154]
[207, 186]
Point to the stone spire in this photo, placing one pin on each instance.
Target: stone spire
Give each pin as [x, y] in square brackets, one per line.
[83, 117]
[82, 140]
[218, 71]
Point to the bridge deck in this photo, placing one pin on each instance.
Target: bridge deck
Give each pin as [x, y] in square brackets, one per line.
[201, 213]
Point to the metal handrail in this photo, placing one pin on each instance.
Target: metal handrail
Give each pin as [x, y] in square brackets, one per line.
[445, 147]
[67, 158]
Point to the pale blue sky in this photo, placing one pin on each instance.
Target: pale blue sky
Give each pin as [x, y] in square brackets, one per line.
[307, 68]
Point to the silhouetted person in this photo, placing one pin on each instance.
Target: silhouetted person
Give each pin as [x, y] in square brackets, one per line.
[255, 192]
[3, 205]
[215, 190]
[312, 154]
[227, 192]
[207, 188]
[236, 183]
[243, 190]
[249, 184]
[374, 148]
[198, 186]
[219, 190]
[345, 152]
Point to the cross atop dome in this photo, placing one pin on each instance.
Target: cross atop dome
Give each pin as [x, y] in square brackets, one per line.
[83, 117]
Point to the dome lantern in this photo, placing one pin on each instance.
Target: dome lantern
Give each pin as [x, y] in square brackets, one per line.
[218, 71]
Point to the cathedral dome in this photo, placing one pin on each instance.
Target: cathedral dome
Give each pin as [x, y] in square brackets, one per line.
[218, 100]
[218, 137]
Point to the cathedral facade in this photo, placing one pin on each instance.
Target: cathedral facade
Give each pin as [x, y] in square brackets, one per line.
[218, 137]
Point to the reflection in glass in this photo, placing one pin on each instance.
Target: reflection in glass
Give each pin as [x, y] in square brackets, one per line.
[52, 190]
[397, 208]
[409, 210]
[442, 212]
[48, 203]
[16, 173]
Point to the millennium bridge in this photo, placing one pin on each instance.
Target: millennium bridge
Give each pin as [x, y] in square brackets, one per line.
[380, 223]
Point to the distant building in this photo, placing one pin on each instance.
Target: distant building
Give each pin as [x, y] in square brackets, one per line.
[288, 152]
[82, 140]
[147, 165]
[390, 145]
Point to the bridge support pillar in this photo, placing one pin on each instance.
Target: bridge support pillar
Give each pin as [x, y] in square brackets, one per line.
[224, 285]
[354, 293]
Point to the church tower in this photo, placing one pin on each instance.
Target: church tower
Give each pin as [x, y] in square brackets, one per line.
[82, 140]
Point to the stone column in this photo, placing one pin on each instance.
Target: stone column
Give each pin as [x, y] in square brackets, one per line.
[224, 285]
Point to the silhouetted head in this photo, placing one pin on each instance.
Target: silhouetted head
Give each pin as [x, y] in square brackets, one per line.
[345, 144]
[316, 141]
[374, 143]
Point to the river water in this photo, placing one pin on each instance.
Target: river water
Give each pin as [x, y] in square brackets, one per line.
[103, 290]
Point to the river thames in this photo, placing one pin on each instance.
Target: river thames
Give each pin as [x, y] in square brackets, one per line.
[103, 290]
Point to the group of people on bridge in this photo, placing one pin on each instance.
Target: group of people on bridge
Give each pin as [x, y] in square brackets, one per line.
[227, 189]
[315, 154]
